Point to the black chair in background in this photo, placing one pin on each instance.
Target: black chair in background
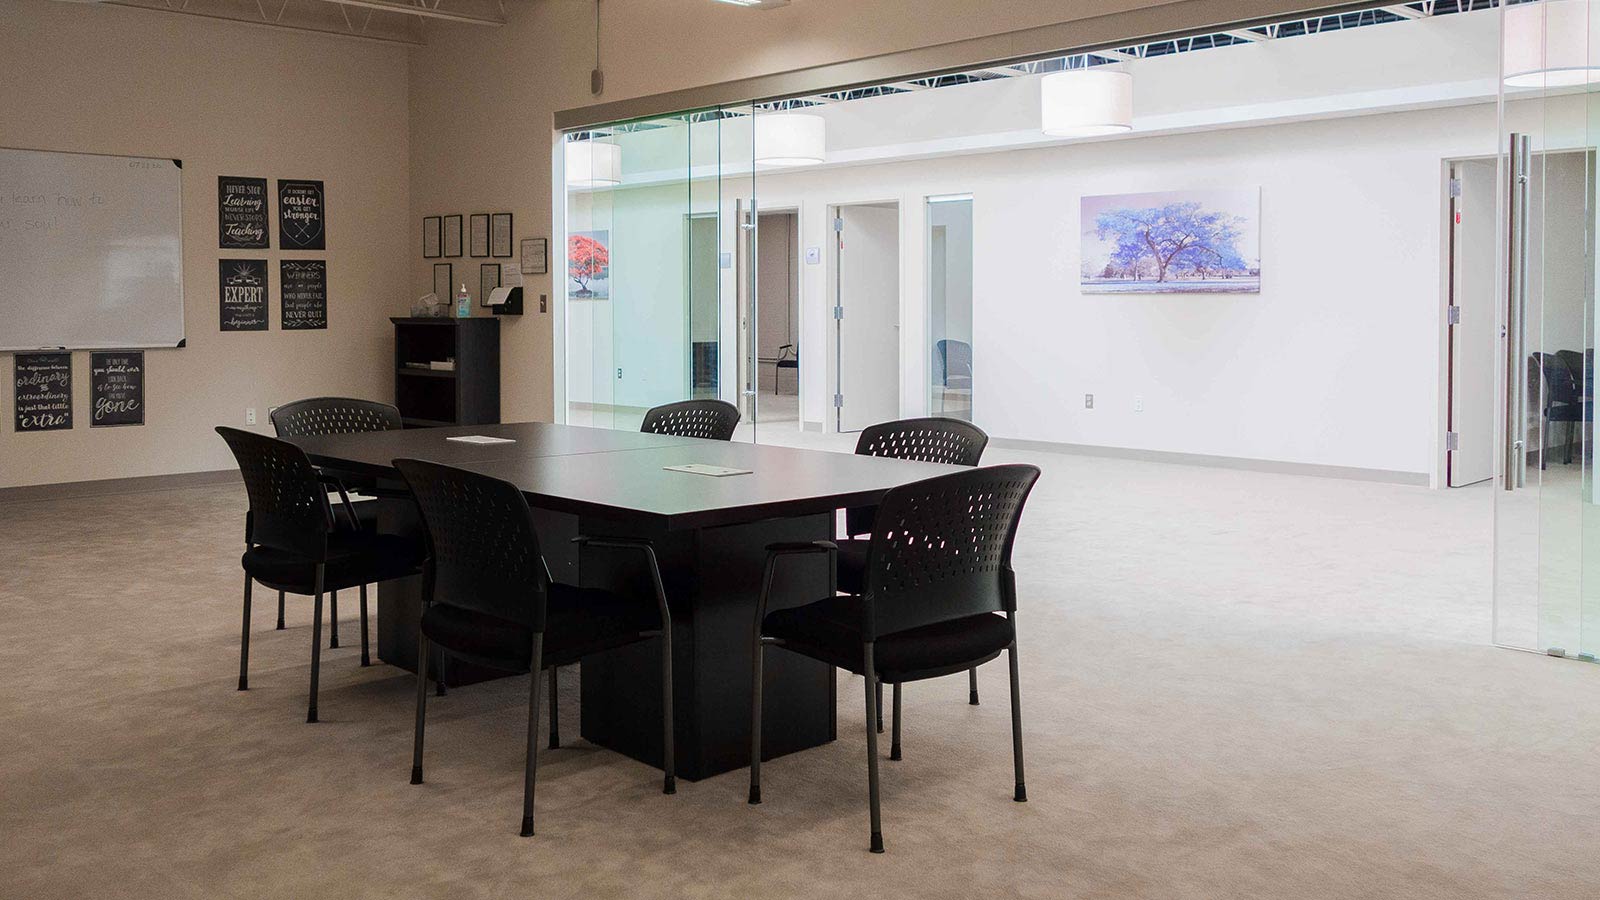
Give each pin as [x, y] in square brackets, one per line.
[488, 598]
[788, 358]
[938, 576]
[336, 415]
[294, 544]
[710, 419]
[1561, 399]
[931, 439]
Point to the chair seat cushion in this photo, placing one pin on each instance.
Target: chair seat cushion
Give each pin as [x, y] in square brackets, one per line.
[578, 621]
[354, 558]
[830, 630]
[853, 565]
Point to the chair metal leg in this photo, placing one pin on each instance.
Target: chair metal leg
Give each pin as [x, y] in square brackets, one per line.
[316, 647]
[280, 610]
[531, 767]
[972, 681]
[755, 720]
[555, 716]
[422, 707]
[669, 780]
[872, 685]
[244, 640]
[439, 675]
[333, 620]
[366, 652]
[894, 743]
[880, 704]
[1021, 795]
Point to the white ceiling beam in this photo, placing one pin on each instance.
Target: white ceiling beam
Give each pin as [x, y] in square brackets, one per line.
[1245, 34]
[1404, 12]
[428, 9]
[1115, 55]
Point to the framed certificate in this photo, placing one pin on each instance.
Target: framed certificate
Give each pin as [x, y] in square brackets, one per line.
[488, 280]
[500, 236]
[432, 237]
[441, 282]
[478, 234]
[452, 236]
[535, 256]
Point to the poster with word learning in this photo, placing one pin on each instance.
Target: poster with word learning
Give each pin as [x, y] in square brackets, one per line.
[241, 213]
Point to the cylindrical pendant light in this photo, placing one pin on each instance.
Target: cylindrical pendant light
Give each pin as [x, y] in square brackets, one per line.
[593, 164]
[1086, 102]
[790, 139]
[1553, 43]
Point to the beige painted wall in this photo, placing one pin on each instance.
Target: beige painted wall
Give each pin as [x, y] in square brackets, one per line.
[482, 102]
[227, 99]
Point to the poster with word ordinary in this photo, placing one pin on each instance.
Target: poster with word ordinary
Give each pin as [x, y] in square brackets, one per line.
[242, 213]
[43, 383]
[303, 293]
[116, 388]
[242, 294]
[302, 215]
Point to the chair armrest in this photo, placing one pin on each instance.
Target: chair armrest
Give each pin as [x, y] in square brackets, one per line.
[344, 499]
[643, 546]
[786, 547]
[782, 549]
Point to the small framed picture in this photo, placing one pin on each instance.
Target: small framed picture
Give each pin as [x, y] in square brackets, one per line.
[452, 236]
[500, 236]
[432, 236]
[442, 278]
[488, 280]
[535, 256]
[478, 234]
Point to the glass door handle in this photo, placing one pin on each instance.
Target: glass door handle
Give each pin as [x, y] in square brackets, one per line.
[1516, 370]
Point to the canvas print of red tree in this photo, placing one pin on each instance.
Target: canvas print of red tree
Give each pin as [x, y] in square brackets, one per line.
[1173, 242]
[589, 265]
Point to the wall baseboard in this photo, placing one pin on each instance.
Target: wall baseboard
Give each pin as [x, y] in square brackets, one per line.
[141, 484]
[1355, 473]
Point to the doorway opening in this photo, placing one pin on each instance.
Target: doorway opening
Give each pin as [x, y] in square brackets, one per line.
[778, 317]
[865, 280]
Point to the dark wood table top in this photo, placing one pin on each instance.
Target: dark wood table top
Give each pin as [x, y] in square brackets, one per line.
[621, 474]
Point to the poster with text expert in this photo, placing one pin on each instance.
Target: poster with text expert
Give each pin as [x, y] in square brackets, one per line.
[116, 388]
[241, 213]
[302, 215]
[303, 293]
[43, 384]
[242, 294]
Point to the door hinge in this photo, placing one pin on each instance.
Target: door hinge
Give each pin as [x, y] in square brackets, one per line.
[838, 401]
[838, 312]
[1452, 315]
[1455, 187]
[1452, 440]
[838, 225]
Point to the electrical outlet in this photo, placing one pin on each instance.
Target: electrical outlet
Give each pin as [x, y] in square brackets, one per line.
[1138, 404]
[1088, 401]
[250, 415]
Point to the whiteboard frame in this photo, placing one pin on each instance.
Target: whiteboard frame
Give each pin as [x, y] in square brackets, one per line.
[183, 304]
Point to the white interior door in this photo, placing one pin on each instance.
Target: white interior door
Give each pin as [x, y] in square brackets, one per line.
[868, 316]
[1472, 336]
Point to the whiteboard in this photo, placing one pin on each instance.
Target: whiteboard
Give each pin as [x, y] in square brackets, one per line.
[91, 251]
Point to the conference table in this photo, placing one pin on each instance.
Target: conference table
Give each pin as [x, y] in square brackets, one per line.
[710, 535]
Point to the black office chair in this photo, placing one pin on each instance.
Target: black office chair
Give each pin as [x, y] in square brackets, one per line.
[932, 439]
[1562, 398]
[336, 415]
[788, 358]
[710, 419]
[294, 544]
[938, 573]
[488, 598]
[953, 366]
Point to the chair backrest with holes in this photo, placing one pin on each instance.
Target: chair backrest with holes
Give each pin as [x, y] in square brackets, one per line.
[941, 548]
[483, 552]
[930, 439]
[710, 419]
[288, 507]
[334, 415]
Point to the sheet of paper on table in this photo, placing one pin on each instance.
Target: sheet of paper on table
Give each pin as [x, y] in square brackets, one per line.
[703, 469]
[480, 439]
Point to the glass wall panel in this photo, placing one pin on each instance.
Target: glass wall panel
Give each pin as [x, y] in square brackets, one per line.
[949, 279]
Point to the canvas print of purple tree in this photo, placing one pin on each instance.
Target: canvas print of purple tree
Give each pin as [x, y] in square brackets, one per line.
[1173, 242]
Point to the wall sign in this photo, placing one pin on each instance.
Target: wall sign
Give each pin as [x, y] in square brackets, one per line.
[43, 383]
[242, 213]
[116, 388]
[242, 294]
[303, 293]
[302, 216]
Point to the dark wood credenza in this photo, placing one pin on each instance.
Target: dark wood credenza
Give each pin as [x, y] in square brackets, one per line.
[467, 395]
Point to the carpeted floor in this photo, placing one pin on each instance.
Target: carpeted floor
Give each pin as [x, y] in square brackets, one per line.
[1235, 685]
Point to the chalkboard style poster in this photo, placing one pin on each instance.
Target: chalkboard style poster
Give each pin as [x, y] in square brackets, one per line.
[116, 388]
[242, 213]
[44, 391]
[302, 217]
[303, 293]
[242, 294]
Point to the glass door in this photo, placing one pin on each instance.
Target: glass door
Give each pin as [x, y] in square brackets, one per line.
[1547, 524]
[949, 281]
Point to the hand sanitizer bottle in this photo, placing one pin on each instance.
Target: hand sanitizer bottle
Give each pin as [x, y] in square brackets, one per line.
[463, 303]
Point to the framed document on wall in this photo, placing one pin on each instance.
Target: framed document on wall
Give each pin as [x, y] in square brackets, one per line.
[441, 282]
[488, 280]
[478, 234]
[432, 237]
[535, 256]
[500, 236]
[452, 236]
